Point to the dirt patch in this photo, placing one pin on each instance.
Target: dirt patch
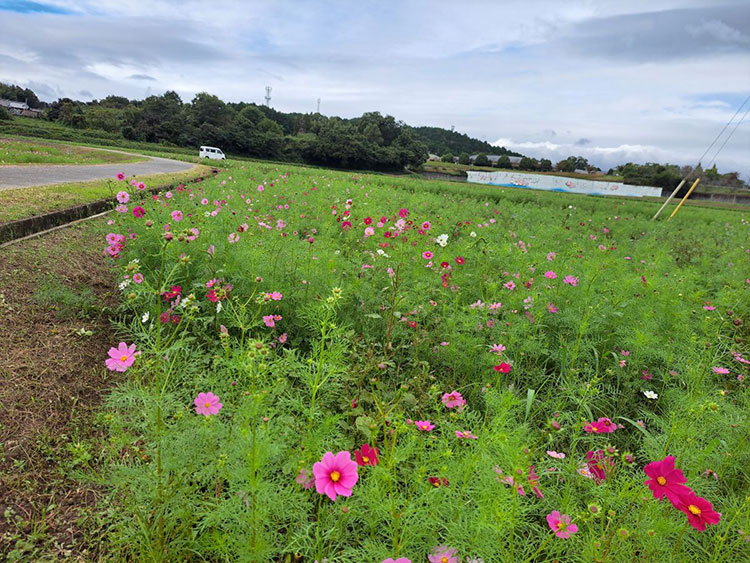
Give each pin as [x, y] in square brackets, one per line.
[56, 292]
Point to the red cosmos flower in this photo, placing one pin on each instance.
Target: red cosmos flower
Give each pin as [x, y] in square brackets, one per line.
[666, 480]
[444, 265]
[503, 367]
[459, 260]
[176, 290]
[368, 221]
[437, 482]
[138, 212]
[698, 510]
[366, 455]
[413, 324]
[346, 225]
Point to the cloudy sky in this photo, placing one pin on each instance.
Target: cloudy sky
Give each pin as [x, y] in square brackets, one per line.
[614, 81]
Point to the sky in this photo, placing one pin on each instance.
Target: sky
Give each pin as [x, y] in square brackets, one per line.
[613, 81]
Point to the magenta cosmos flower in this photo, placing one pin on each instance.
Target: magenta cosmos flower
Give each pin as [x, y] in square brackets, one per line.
[601, 426]
[121, 176]
[177, 215]
[335, 475]
[424, 425]
[571, 280]
[443, 554]
[503, 367]
[666, 480]
[121, 358]
[699, 511]
[465, 435]
[207, 404]
[427, 255]
[453, 399]
[561, 524]
[550, 275]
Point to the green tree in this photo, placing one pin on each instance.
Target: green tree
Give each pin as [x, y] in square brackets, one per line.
[5, 114]
[527, 163]
[545, 165]
[481, 160]
[463, 158]
[504, 162]
[447, 157]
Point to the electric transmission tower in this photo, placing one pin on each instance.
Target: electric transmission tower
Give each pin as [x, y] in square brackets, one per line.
[318, 105]
[268, 96]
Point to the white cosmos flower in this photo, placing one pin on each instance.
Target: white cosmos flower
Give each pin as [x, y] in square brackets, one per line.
[145, 317]
[472, 234]
[650, 395]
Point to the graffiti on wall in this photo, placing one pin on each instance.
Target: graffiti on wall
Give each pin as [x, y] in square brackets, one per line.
[560, 184]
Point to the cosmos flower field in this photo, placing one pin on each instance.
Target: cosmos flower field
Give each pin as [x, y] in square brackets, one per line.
[328, 366]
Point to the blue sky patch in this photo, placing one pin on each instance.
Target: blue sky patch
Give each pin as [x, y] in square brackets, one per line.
[28, 7]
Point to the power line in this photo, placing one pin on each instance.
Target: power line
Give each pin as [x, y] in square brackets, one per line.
[730, 135]
[739, 109]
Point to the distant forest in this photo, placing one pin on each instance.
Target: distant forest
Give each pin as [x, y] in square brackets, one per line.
[372, 141]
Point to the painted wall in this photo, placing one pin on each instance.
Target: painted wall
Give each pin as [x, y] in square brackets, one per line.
[560, 184]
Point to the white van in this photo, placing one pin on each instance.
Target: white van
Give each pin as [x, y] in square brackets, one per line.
[212, 153]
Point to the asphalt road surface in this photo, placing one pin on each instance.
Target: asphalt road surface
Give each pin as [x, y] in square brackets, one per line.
[25, 176]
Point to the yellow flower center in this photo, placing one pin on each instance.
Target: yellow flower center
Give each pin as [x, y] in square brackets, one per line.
[424, 427]
[443, 559]
[694, 509]
[123, 358]
[335, 476]
[207, 405]
[560, 525]
[594, 428]
[661, 480]
[365, 459]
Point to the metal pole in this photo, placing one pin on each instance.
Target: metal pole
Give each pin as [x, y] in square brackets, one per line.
[687, 195]
[677, 189]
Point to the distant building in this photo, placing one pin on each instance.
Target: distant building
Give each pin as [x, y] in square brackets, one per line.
[20, 108]
[493, 158]
[580, 171]
[433, 157]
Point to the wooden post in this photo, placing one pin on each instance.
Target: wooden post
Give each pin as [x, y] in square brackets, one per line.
[687, 195]
[677, 189]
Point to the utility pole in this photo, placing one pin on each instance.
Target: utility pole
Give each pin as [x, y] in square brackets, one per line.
[318, 105]
[268, 96]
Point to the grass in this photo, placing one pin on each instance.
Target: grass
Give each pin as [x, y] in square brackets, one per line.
[27, 202]
[18, 151]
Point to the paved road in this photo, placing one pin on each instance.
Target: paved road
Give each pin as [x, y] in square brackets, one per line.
[25, 176]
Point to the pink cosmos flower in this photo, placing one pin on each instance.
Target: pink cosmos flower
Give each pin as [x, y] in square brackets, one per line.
[424, 425]
[555, 454]
[121, 358]
[443, 554]
[550, 275]
[601, 426]
[453, 399]
[268, 320]
[335, 475]
[305, 479]
[138, 278]
[399, 560]
[551, 308]
[720, 370]
[561, 525]
[177, 215]
[403, 212]
[465, 435]
[709, 307]
[666, 480]
[511, 285]
[698, 510]
[207, 404]
[534, 482]
[551, 256]
[140, 186]
[233, 237]
[427, 255]
[260, 187]
[121, 176]
[369, 231]
[123, 197]
[122, 208]
[426, 226]
[571, 280]
[497, 349]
